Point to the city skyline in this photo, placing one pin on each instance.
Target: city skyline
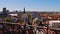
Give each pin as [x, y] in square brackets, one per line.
[31, 5]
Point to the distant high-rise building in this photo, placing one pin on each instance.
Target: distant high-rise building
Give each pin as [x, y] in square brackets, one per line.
[4, 9]
[4, 13]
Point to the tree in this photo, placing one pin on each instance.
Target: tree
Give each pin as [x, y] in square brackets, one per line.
[6, 19]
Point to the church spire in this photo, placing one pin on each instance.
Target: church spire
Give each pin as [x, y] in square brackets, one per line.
[24, 10]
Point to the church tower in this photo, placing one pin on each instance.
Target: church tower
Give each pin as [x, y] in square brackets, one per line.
[24, 10]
